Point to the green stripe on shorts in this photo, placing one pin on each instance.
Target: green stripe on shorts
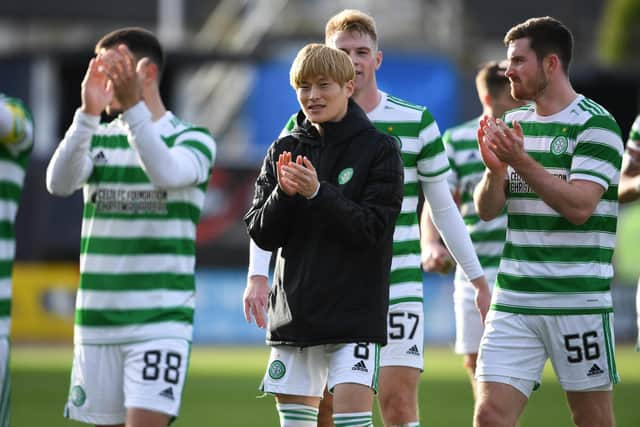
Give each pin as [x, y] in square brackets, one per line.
[608, 343]
[376, 374]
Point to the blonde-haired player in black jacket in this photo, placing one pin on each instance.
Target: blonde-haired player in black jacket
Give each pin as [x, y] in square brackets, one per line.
[327, 198]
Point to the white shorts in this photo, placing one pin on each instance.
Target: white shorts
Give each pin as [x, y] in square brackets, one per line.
[108, 379]
[405, 337]
[5, 381]
[469, 327]
[580, 347]
[304, 371]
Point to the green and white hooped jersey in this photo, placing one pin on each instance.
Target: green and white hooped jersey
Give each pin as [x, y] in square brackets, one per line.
[137, 253]
[550, 266]
[14, 156]
[467, 169]
[424, 159]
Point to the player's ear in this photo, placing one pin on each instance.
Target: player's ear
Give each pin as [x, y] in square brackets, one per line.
[349, 87]
[150, 70]
[378, 59]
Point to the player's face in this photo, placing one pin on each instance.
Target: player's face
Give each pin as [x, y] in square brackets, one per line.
[363, 53]
[525, 71]
[323, 100]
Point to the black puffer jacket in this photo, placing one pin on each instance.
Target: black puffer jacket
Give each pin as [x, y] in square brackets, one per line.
[331, 283]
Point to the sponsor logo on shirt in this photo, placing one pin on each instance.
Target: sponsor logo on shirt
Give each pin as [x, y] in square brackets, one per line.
[118, 200]
[518, 185]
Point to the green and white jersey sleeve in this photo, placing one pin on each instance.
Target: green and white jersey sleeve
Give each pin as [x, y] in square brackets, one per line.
[467, 168]
[137, 253]
[549, 265]
[15, 148]
[424, 158]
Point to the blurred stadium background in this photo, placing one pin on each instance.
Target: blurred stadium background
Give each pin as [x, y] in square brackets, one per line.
[227, 68]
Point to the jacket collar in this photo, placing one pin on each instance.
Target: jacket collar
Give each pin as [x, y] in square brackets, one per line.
[353, 123]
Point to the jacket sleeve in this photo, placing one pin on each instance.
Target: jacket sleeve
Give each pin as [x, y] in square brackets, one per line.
[270, 216]
[365, 222]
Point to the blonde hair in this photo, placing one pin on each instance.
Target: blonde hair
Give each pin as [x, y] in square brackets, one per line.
[352, 20]
[319, 60]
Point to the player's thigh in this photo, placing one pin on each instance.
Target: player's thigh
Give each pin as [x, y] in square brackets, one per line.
[469, 327]
[353, 376]
[296, 371]
[498, 401]
[96, 389]
[511, 351]
[581, 348]
[155, 372]
[144, 418]
[405, 337]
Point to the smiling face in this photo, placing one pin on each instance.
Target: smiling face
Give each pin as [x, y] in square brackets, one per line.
[525, 71]
[322, 99]
[363, 53]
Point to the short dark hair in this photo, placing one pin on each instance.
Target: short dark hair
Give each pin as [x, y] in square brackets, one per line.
[546, 35]
[140, 42]
[491, 77]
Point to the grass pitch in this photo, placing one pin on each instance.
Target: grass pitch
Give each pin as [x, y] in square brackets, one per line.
[221, 390]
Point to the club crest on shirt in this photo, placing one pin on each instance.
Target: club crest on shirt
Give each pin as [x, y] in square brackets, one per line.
[345, 176]
[559, 145]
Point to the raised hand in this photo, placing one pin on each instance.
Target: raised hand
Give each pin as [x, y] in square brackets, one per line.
[506, 144]
[489, 157]
[96, 90]
[303, 175]
[284, 181]
[126, 75]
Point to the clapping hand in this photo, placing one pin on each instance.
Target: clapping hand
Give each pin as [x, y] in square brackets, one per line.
[97, 91]
[125, 74]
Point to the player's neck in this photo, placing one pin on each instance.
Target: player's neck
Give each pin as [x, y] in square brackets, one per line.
[156, 106]
[367, 98]
[556, 97]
